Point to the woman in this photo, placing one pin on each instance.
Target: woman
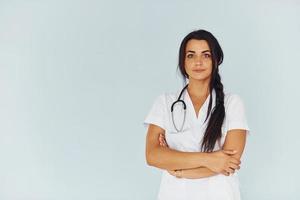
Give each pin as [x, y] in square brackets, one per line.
[200, 140]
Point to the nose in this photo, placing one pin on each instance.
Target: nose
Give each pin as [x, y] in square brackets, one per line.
[198, 60]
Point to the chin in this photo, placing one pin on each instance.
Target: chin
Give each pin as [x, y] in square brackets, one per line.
[200, 77]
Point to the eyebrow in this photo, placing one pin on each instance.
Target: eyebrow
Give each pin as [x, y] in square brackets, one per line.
[201, 52]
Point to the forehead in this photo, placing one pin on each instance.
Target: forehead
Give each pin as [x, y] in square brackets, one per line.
[197, 45]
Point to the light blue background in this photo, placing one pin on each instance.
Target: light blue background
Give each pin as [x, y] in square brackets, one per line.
[77, 79]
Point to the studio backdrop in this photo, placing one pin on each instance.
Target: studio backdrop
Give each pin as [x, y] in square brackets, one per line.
[77, 79]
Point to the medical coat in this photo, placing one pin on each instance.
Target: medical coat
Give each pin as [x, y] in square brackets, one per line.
[218, 187]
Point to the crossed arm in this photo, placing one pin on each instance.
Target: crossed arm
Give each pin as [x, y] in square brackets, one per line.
[196, 164]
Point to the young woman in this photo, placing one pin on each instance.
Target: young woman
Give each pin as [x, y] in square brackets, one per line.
[197, 135]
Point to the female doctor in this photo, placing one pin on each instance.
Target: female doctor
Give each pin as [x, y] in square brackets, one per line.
[197, 135]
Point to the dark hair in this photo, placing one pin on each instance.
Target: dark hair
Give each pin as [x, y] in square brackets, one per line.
[213, 131]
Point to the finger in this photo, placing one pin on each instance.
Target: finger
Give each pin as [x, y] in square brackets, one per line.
[160, 140]
[224, 172]
[161, 143]
[235, 161]
[159, 137]
[230, 170]
[234, 166]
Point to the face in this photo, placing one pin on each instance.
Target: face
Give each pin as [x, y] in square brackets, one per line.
[198, 60]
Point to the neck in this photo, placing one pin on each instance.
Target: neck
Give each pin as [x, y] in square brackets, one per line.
[198, 89]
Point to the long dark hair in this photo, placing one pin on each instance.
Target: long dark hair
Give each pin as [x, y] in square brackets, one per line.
[213, 131]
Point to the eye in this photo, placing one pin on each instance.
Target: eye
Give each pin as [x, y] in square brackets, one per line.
[189, 55]
[207, 55]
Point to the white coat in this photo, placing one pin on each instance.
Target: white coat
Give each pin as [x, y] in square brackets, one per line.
[218, 187]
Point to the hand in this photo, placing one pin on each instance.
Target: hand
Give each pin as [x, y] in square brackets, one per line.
[162, 140]
[223, 162]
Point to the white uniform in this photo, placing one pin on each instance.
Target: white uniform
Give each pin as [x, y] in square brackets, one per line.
[189, 140]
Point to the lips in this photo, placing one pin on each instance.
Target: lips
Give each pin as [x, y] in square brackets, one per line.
[198, 70]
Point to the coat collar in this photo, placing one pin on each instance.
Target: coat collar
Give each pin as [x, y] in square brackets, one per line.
[203, 110]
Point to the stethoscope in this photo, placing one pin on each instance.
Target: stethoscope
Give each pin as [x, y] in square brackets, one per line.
[184, 110]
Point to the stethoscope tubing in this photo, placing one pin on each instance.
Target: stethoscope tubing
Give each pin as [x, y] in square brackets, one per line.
[184, 107]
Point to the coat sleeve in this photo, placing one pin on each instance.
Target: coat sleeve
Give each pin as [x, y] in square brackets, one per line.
[157, 113]
[236, 114]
